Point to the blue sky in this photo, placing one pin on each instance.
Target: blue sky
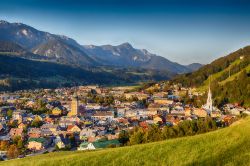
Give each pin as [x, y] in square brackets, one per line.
[184, 31]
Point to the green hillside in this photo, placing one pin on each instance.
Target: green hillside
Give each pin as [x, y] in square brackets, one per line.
[218, 69]
[222, 76]
[228, 146]
[229, 77]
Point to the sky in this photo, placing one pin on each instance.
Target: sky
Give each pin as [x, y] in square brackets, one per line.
[184, 31]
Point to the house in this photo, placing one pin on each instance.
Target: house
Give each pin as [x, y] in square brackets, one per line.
[103, 115]
[57, 111]
[37, 143]
[153, 108]
[157, 120]
[73, 129]
[49, 129]
[141, 113]
[83, 146]
[93, 106]
[179, 113]
[139, 95]
[34, 132]
[16, 132]
[201, 113]
[66, 123]
[143, 124]
[215, 114]
[163, 101]
[22, 126]
[160, 95]
[113, 136]
[18, 115]
[228, 119]
[61, 142]
[236, 111]
[4, 109]
[30, 104]
[130, 113]
[103, 144]
[121, 112]
[188, 112]
[98, 145]
[86, 132]
[48, 120]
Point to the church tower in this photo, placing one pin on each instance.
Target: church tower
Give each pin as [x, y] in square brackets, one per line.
[74, 107]
[209, 104]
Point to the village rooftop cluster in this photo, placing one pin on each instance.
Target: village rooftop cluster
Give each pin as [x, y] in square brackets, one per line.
[91, 117]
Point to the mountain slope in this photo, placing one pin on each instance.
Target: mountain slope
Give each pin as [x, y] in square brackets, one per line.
[12, 49]
[198, 77]
[44, 43]
[228, 146]
[66, 50]
[20, 73]
[63, 53]
[229, 77]
[194, 66]
[126, 55]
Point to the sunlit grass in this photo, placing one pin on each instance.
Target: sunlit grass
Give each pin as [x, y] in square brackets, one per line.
[234, 76]
[217, 75]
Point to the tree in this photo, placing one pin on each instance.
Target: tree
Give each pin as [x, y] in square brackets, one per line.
[123, 137]
[20, 144]
[13, 124]
[153, 134]
[137, 137]
[12, 152]
[9, 113]
[36, 122]
[4, 145]
[210, 124]
[168, 132]
[16, 139]
[72, 140]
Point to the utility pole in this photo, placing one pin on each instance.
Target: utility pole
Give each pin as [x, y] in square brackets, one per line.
[229, 71]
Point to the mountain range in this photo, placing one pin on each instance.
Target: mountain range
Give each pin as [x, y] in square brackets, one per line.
[35, 59]
[62, 49]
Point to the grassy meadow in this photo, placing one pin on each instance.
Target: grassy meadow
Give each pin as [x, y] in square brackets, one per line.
[228, 146]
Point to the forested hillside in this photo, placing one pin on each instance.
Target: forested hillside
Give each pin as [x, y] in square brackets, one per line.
[198, 77]
[18, 73]
[229, 77]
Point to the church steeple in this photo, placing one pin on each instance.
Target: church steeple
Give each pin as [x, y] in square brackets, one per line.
[209, 103]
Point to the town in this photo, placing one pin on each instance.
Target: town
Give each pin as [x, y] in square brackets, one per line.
[91, 117]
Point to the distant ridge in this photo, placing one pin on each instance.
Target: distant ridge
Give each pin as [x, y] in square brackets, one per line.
[194, 66]
[65, 50]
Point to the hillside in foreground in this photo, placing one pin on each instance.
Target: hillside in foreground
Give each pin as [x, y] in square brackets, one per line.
[228, 146]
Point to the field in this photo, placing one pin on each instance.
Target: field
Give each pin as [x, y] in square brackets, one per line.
[228, 146]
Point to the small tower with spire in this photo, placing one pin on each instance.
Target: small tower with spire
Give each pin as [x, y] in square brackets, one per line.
[74, 106]
[209, 104]
[209, 100]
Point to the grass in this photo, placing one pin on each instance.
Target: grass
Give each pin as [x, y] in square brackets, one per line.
[234, 76]
[228, 146]
[214, 76]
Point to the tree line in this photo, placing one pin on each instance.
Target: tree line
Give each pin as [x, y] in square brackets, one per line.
[153, 133]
